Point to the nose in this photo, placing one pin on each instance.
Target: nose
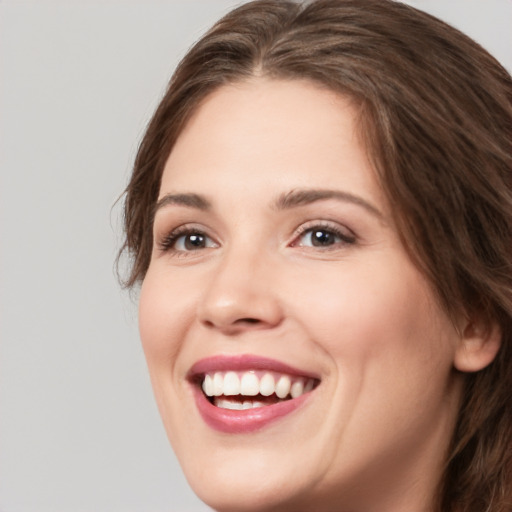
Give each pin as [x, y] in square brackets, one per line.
[241, 295]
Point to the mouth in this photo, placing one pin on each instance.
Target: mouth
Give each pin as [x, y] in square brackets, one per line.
[253, 388]
[245, 393]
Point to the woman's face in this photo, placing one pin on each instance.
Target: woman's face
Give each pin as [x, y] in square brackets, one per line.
[279, 285]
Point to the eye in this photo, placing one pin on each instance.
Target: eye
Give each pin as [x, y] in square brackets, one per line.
[192, 242]
[184, 240]
[320, 236]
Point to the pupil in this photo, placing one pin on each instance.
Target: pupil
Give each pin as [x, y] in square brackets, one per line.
[194, 241]
[322, 238]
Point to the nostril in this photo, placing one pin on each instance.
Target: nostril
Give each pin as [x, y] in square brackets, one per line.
[237, 324]
[248, 321]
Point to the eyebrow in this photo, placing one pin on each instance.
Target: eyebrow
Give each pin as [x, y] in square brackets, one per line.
[190, 200]
[299, 197]
[288, 200]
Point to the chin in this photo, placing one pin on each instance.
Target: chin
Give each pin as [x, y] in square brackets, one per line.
[252, 494]
[250, 480]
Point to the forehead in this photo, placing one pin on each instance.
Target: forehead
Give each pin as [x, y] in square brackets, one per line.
[271, 134]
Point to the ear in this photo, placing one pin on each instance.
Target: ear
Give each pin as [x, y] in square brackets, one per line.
[478, 346]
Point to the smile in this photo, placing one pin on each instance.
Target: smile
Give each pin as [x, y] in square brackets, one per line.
[253, 388]
[245, 393]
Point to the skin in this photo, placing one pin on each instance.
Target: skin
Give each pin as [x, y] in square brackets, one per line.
[373, 435]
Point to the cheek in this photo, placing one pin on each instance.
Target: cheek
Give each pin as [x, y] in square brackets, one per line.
[163, 322]
[391, 353]
[154, 317]
[366, 315]
[164, 316]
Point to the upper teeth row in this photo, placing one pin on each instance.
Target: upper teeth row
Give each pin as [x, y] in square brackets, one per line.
[249, 384]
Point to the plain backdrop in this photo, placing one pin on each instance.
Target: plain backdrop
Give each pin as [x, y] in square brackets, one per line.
[79, 430]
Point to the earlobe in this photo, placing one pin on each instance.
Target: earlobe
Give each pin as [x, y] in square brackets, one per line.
[479, 345]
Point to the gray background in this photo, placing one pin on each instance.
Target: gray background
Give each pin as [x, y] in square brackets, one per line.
[79, 430]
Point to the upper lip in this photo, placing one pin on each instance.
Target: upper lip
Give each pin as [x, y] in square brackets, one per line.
[244, 362]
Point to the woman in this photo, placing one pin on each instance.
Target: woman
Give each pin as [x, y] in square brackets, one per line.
[320, 216]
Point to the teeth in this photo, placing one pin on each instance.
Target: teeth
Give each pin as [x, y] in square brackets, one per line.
[252, 405]
[309, 385]
[267, 385]
[283, 386]
[208, 385]
[218, 384]
[250, 384]
[297, 388]
[234, 405]
[229, 404]
[231, 384]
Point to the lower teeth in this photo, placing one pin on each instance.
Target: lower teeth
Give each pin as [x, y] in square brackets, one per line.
[238, 405]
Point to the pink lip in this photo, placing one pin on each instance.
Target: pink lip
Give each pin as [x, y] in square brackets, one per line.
[244, 362]
[245, 421]
[248, 420]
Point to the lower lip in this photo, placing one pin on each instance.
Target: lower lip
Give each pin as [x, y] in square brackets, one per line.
[244, 421]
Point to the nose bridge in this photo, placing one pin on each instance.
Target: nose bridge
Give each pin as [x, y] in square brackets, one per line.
[240, 293]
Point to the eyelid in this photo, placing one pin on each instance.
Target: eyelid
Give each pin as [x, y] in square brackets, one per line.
[347, 236]
[165, 242]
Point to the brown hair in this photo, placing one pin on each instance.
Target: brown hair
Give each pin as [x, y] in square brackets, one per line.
[436, 118]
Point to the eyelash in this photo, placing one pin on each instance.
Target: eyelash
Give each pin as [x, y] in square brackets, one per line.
[325, 227]
[168, 243]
